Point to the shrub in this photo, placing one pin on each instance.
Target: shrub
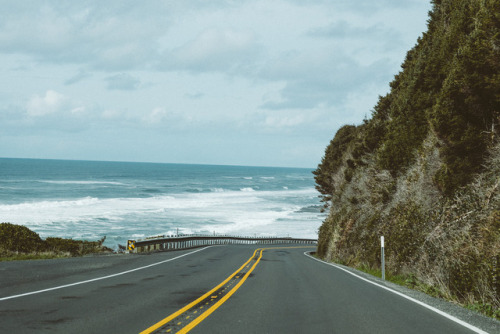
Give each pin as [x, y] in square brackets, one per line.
[20, 239]
[17, 238]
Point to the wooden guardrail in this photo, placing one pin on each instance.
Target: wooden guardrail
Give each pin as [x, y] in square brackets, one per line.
[163, 243]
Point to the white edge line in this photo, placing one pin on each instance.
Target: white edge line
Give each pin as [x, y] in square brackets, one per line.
[100, 278]
[444, 314]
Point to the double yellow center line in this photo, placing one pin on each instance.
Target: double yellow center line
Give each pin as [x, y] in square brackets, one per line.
[185, 319]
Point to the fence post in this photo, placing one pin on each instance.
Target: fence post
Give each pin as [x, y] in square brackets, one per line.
[383, 256]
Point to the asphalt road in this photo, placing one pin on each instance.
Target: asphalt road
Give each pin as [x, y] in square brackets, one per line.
[279, 290]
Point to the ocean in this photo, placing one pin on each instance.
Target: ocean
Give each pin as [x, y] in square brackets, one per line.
[127, 200]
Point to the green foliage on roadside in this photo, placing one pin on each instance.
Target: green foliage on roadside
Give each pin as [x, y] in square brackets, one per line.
[14, 256]
[18, 242]
[333, 160]
[75, 247]
[486, 309]
[405, 234]
[18, 238]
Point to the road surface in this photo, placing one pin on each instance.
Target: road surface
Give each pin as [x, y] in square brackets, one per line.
[221, 289]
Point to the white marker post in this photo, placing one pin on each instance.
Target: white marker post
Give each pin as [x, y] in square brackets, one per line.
[383, 257]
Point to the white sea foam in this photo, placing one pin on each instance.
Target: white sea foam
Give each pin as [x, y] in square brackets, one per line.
[9, 188]
[236, 212]
[84, 182]
[156, 199]
[238, 177]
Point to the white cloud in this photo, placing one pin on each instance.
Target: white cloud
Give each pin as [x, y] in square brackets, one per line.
[78, 110]
[274, 121]
[200, 69]
[156, 116]
[105, 37]
[52, 102]
[160, 117]
[55, 112]
[317, 78]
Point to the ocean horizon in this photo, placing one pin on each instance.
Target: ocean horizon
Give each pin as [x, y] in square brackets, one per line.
[84, 199]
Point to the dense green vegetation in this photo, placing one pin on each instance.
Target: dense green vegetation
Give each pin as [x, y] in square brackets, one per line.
[19, 242]
[424, 170]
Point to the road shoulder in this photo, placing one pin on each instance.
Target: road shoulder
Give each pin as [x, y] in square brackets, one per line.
[470, 317]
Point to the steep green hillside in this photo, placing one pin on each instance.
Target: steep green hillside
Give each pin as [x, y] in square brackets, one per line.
[424, 171]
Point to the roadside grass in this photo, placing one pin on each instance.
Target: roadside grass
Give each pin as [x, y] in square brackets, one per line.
[408, 281]
[13, 256]
[486, 309]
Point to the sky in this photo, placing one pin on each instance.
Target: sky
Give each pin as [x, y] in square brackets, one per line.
[227, 82]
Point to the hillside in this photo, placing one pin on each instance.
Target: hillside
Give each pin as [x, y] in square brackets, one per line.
[424, 170]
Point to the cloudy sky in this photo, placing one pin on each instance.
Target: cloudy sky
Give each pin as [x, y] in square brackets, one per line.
[239, 82]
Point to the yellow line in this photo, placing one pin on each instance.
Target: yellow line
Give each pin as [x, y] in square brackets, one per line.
[187, 307]
[214, 307]
[204, 315]
[211, 309]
